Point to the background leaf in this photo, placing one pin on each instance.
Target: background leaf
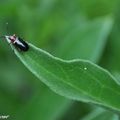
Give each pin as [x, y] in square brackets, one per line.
[78, 43]
[101, 114]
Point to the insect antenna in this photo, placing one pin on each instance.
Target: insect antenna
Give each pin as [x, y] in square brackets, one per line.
[7, 28]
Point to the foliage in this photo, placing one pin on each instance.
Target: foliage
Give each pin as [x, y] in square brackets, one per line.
[67, 29]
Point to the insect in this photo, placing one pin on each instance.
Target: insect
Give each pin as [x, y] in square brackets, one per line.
[17, 42]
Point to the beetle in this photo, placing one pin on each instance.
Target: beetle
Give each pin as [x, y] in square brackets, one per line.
[18, 42]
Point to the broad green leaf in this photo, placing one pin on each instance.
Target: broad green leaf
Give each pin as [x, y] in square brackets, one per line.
[101, 114]
[78, 79]
[79, 41]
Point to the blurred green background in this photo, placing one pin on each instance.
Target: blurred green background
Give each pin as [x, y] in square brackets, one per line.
[69, 29]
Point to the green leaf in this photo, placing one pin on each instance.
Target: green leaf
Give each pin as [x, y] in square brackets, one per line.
[78, 79]
[101, 114]
[111, 58]
[79, 41]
